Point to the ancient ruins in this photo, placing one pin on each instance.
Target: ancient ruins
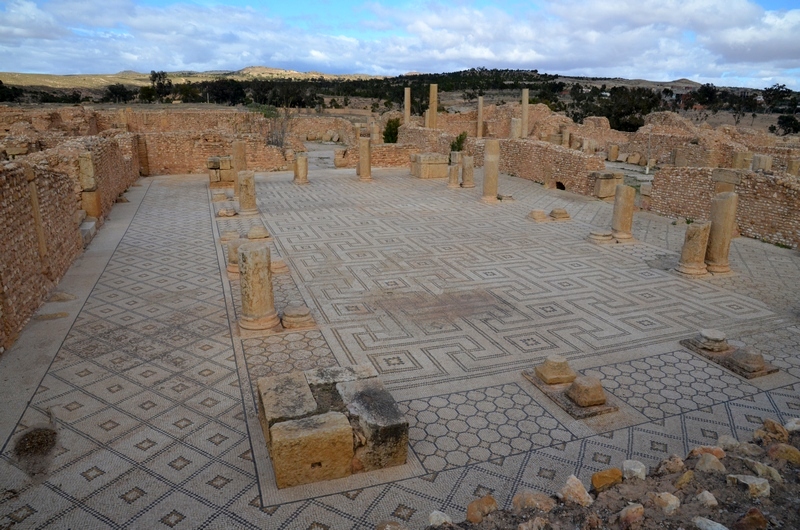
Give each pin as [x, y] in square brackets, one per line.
[410, 331]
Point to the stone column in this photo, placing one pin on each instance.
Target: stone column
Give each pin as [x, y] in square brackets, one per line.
[239, 164]
[723, 222]
[255, 280]
[452, 181]
[467, 172]
[525, 98]
[434, 105]
[622, 220]
[491, 170]
[516, 128]
[364, 159]
[407, 106]
[233, 256]
[301, 168]
[693, 253]
[247, 193]
[375, 133]
[479, 133]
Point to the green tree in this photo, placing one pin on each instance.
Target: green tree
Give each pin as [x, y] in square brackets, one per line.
[390, 131]
[774, 95]
[147, 94]
[161, 84]
[788, 124]
[118, 93]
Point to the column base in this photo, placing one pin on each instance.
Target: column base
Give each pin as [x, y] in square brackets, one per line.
[691, 270]
[621, 235]
[467, 185]
[718, 268]
[249, 212]
[268, 323]
[490, 199]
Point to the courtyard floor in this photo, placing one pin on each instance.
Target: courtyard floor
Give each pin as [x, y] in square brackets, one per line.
[143, 372]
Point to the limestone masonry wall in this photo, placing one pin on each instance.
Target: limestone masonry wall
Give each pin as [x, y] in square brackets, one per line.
[768, 204]
[549, 164]
[39, 240]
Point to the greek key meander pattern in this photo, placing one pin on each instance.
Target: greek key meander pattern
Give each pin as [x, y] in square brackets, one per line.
[449, 299]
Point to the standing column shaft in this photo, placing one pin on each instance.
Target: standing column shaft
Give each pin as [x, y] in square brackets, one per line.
[247, 193]
[491, 170]
[434, 105]
[480, 117]
[258, 302]
[467, 172]
[364, 159]
[525, 98]
[622, 221]
[723, 222]
[301, 168]
[239, 164]
[407, 106]
[693, 253]
[453, 170]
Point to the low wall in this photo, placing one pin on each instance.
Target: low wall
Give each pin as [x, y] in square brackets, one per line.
[39, 240]
[769, 205]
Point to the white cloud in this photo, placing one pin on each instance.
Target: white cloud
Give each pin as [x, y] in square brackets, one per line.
[719, 41]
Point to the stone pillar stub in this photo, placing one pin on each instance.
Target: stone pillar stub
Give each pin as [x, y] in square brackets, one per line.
[301, 168]
[516, 128]
[693, 253]
[467, 172]
[86, 168]
[452, 181]
[239, 163]
[524, 122]
[407, 106]
[622, 220]
[723, 223]
[258, 301]
[233, 254]
[491, 170]
[365, 159]
[247, 193]
[479, 133]
[433, 106]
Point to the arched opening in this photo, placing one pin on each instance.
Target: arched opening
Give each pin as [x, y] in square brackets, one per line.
[560, 186]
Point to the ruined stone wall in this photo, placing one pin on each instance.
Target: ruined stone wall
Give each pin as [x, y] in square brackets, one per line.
[165, 120]
[39, 240]
[426, 140]
[769, 205]
[549, 164]
[187, 152]
[315, 127]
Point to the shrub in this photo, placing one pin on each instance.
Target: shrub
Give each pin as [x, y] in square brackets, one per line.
[390, 132]
[458, 143]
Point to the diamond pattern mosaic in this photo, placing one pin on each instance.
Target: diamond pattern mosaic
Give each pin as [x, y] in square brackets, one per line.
[152, 389]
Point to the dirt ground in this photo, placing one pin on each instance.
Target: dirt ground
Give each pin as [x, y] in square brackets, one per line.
[781, 510]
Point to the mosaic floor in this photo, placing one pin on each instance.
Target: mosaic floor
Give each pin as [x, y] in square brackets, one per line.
[448, 298]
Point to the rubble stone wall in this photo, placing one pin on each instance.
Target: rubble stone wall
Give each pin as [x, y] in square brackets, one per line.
[549, 164]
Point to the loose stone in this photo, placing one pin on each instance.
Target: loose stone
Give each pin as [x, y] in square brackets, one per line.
[707, 524]
[479, 508]
[603, 480]
[668, 502]
[707, 499]
[531, 500]
[757, 487]
[586, 391]
[631, 516]
[781, 451]
[438, 518]
[555, 370]
[574, 491]
[709, 463]
[752, 520]
[634, 469]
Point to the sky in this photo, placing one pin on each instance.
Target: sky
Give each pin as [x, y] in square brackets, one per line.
[751, 43]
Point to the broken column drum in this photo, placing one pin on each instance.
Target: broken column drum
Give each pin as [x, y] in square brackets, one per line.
[247, 193]
[239, 164]
[491, 170]
[258, 302]
[233, 254]
[467, 172]
[364, 159]
[301, 168]
[622, 220]
[723, 223]
[693, 253]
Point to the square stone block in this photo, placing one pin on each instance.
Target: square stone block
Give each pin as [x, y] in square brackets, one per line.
[213, 162]
[90, 202]
[311, 449]
[225, 162]
[283, 397]
[380, 429]
[226, 175]
[322, 382]
[430, 166]
[606, 185]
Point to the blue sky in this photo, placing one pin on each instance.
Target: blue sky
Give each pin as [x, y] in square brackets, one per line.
[752, 43]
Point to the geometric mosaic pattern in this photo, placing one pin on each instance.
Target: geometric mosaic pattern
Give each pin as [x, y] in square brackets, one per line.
[152, 391]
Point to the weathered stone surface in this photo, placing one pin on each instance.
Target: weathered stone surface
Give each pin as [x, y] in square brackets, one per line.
[255, 282]
[707, 524]
[631, 516]
[792, 425]
[574, 492]
[752, 520]
[540, 216]
[531, 500]
[748, 361]
[364, 159]
[491, 170]
[380, 429]
[453, 176]
[301, 168]
[771, 432]
[559, 214]
[707, 499]
[763, 470]
[707, 449]
[781, 451]
[727, 442]
[278, 266]
[586, 391]
[233, 255]
[634, 469]
[674, 464]
[723, 223]
[622, 217]
[601, 236]
[668, 502]
[247, 193]
[283, 397]
[480, 508]
[311, 449]
[603, 480]
[258, 232]
[693, 253]
[297, 316]
[756, 486]
[708, 463]
[751, 450]
[555, 370]
[467, 172]
[227, 235]
[322, 382]
[438, 518]
[684, 480]
[537, 523]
